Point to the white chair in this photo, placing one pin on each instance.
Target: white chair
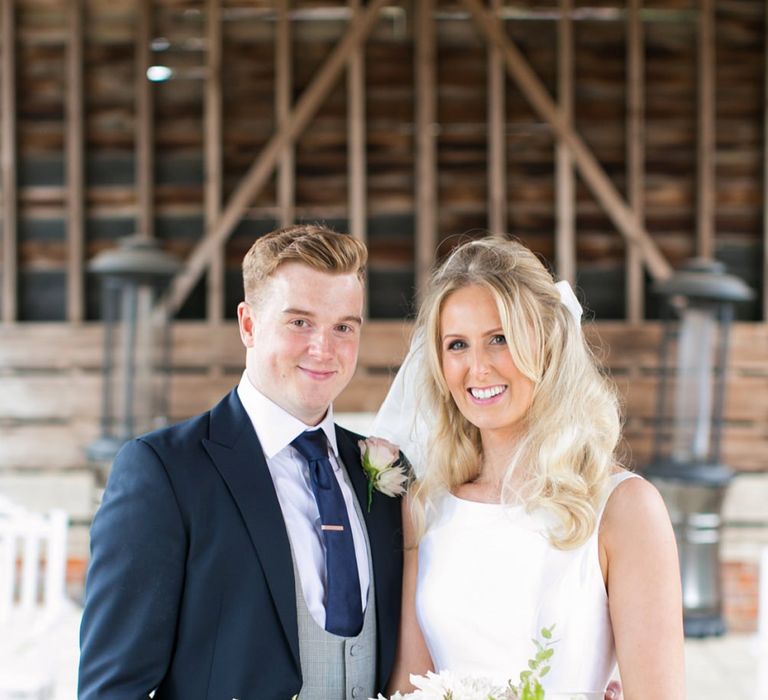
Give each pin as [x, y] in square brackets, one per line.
[32, 597]
[761, 647]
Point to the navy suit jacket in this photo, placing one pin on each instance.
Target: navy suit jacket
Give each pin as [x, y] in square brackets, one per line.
[191, 587]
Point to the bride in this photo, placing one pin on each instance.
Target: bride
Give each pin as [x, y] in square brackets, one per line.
[521, 518]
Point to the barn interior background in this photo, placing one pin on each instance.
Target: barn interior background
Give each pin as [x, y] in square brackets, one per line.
[617, 139]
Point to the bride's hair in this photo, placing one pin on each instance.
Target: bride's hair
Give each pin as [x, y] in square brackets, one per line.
[572, 427]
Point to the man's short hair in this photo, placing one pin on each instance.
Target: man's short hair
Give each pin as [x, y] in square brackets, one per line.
[316, 246]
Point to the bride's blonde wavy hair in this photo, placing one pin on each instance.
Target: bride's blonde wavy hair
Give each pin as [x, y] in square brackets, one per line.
[572, 427]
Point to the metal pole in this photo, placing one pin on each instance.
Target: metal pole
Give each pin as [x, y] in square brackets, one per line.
[726, 316]
[110, 314]
[130, 301]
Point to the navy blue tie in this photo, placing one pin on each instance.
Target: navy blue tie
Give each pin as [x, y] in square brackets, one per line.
[343, 608]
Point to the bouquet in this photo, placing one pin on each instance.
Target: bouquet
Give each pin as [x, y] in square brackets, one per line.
[449, 686]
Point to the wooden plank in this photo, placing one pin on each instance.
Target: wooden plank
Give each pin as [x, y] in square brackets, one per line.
[765, 173]
[259, 172]
[26, 347]
[213, 159]
[743, 449]
[705, 170]
[8, 162]
[497, 141]
[198, 345]
[356, 149]
[72, 490]
[634, 286]
[49, 397]
[75, 165]
[565, 235]
[746, 398]
[286, 170]
[365, 393]
[145, 133]
[49, 447]
[425, 90]
[60, 398]
[591, 171]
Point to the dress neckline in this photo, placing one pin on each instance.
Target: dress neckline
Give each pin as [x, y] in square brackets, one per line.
[459, 499]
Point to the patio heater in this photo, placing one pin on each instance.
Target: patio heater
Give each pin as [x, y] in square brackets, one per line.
[686, 465]
[137, 345]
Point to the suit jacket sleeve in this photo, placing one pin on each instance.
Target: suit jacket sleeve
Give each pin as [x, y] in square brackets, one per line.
[133, 590]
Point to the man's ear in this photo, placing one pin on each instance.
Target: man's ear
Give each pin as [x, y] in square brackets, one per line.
[245, 323]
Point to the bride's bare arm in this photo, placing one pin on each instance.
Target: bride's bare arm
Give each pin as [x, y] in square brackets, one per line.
[412, 654]
[639, 559]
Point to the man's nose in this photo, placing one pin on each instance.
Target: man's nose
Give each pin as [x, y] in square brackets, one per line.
[321, 343]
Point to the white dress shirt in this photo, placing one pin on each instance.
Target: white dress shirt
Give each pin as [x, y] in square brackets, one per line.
[276, 429]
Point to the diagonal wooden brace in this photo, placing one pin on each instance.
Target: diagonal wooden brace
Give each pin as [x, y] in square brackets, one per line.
[603, 189]
[262, 168]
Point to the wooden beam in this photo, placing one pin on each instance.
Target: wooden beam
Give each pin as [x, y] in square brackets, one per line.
[213, 159]
[605, 192]
[8, 161]
[565, 237]
[765, 175]
[145, 136]
[259, 172]
[634, 285]
[286, 176]
[356, 146]
[426, 142]
[75, 165]
[497, 141]
[356, 140]
[705, 190]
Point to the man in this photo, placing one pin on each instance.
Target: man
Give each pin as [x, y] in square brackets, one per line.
[234, 555]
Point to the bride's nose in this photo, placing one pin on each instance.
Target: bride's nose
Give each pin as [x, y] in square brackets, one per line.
[479, 362]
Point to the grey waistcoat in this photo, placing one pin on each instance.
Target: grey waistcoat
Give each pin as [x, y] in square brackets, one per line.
[333, 667]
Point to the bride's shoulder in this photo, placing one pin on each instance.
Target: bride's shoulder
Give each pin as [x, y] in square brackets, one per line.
[633, 504]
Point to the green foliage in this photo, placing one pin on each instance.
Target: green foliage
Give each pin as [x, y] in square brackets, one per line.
[530, 687]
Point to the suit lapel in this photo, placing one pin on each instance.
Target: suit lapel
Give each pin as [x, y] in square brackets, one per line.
[350, 456]
[382, 522]
[237, 455]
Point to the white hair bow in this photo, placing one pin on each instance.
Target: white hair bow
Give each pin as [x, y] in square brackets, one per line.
[569, 300]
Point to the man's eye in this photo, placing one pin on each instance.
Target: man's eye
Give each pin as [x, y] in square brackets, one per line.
[499, 340]
[299, 323]
[344, 328]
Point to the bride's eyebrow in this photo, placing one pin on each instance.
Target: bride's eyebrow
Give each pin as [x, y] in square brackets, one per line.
[492, 331]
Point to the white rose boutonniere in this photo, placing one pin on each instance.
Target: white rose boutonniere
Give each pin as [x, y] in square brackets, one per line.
[385, 470]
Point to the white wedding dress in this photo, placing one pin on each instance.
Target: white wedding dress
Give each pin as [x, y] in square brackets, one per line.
[489, 581]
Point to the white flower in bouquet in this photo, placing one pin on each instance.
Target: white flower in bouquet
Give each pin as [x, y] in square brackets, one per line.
[439, 686]
[450, 686]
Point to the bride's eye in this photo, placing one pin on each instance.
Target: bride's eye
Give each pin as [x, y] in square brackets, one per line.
[499, 340]
[456, 345]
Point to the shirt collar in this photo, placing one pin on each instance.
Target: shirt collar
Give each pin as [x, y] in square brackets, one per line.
[274, 426]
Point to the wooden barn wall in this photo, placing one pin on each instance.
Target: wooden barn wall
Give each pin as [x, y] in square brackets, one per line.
[43, 42]
[424, 139]
[50, 382]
